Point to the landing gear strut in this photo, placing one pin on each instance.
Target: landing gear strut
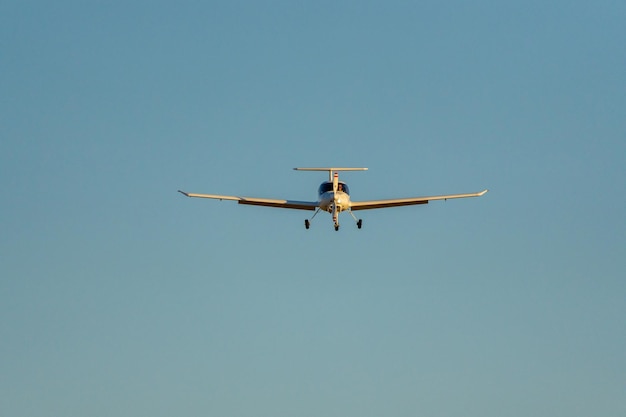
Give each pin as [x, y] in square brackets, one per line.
[307, 223]
[359, 222]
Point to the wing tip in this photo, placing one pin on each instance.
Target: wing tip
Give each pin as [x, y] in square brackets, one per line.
[483, 192]
[183, 193]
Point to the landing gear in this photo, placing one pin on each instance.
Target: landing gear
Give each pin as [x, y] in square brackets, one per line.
[359, 222]
[336, 228]
[307, 223]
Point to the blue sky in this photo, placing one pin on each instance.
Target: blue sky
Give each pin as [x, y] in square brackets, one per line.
[118, 296]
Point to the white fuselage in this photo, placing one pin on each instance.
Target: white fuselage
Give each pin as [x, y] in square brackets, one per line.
[334, 197]
[331, 201]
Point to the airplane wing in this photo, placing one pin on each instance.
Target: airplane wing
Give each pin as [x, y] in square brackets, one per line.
[290, 204]
[374, 204]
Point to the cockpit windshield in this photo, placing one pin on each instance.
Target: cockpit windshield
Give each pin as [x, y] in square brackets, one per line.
[328, 186]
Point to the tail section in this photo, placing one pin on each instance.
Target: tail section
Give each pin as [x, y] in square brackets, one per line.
[330, 171]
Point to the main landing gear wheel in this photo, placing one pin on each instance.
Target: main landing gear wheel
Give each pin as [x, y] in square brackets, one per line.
[336, 227]
[307, 224]
[359, 223]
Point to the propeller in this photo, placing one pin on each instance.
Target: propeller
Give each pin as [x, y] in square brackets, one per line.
[334, 207]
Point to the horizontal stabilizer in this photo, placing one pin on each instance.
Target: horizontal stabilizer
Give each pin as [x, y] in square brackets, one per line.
[330, 169]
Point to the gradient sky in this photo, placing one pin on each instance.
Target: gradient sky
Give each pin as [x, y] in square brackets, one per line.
[121, 297]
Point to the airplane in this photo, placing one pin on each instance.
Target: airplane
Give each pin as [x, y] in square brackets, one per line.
[334, 198]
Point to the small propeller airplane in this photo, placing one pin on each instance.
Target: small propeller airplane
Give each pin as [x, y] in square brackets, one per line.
[334, 198]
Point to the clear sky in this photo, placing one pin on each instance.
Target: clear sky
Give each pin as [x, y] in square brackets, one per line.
[121, 297]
